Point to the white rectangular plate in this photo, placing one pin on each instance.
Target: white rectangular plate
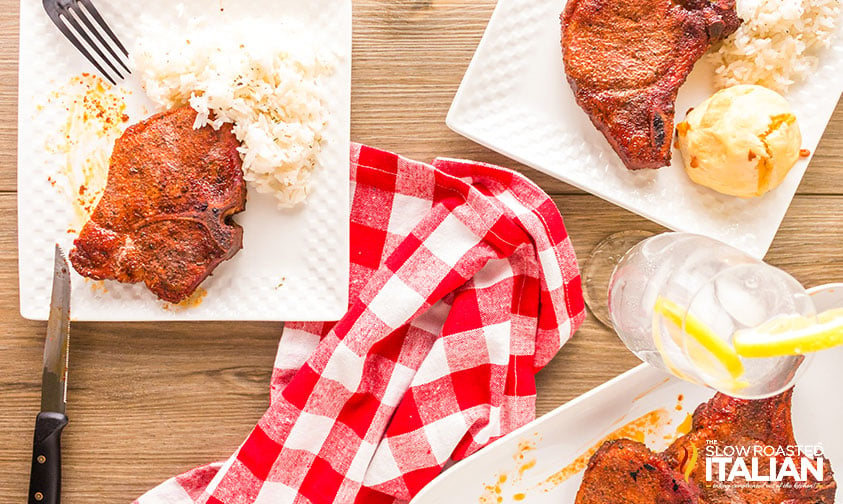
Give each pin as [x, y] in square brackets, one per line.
[294, 264]
[558, 438]
[515, 99]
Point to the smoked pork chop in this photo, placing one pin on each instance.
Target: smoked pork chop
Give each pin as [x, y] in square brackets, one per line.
[164, 217]
[624, 471]
[626, 59]
[614, 473]
[726, 421]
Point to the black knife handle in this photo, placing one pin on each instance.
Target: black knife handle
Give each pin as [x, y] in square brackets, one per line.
[45, 477]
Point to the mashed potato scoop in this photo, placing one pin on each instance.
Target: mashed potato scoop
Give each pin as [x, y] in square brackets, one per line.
[742, 141]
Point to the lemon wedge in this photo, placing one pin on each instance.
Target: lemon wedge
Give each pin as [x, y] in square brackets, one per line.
[791, 335]
[719, 349]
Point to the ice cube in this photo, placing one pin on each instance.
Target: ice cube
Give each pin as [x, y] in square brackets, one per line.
[738, 293]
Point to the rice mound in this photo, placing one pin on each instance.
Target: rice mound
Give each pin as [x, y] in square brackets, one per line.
[261, 77]
[777, 43]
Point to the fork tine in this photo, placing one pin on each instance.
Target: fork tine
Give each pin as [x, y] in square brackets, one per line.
[71, 19]
[80, 13]
[78, 45]
[96, 15]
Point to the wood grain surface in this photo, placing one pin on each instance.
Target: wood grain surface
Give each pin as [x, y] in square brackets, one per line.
[149, 401]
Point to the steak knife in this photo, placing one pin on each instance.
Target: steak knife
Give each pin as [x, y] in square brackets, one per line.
[45, 476]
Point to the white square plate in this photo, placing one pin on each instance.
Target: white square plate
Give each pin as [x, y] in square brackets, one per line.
[294, 264]
[560, 437]
[515, 99]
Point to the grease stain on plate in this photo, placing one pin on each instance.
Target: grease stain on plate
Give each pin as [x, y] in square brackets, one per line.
[644, 427]
[191, 301]
[97, 286]
[95, 116]
[494, 493]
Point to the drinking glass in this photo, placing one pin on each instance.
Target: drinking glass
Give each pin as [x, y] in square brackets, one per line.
[677, 299]
[598, 266]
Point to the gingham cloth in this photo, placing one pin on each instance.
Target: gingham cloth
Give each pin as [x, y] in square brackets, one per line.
[463, 285]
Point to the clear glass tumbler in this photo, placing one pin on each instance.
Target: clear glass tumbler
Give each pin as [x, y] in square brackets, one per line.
[677, 299]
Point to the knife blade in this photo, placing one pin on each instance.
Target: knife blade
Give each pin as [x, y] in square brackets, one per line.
[45, 476]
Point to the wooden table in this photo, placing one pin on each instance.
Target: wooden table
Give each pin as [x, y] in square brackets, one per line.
[149, 401]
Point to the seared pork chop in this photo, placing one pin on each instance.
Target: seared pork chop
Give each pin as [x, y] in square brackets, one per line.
[726, 421]
[614, 472]
[624, 471]
[164, 217]
[626, 59]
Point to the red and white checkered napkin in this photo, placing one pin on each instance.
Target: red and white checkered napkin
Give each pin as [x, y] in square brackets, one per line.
[463, 285]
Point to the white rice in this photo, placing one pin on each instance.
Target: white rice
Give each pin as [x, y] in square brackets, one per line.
[263, 78]
[777, 44]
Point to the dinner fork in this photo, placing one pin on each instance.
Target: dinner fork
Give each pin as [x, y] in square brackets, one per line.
[83, 17]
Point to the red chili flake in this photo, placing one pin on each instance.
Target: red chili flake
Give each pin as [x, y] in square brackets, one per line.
[804, 152]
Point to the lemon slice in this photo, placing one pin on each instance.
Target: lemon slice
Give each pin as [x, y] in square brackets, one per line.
[791, 335]
[722, 352]
[668, 362]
